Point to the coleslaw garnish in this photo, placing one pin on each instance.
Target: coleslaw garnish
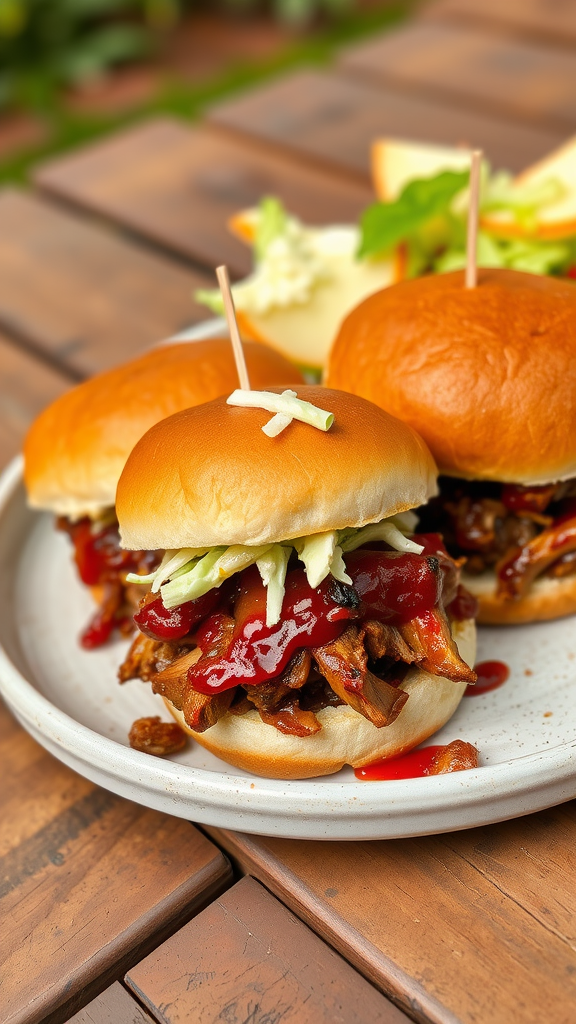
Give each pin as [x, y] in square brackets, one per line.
[291, 261]
[189, 573]
[287, 405]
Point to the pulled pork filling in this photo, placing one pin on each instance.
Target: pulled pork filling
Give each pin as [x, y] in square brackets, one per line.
[104, 565]
[334, 644]
[520, 533]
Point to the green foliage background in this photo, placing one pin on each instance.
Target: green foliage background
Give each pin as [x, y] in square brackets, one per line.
[45, 44]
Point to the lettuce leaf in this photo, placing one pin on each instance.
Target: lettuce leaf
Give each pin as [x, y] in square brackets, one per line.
[530, 255]
[271, 224]
[384, 225]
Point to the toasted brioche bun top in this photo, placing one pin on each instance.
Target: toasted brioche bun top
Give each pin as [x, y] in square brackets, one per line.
[76, 449]
[487, 375]
[209, 475]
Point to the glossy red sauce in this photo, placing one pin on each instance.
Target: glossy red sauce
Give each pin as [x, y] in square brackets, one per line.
[103, 563]
[310, 618]
[414, 765]
[562, 540]
[491, 675]
[393, 586]
[463, 606]
[98, 630]
[159, 623]
[98, 554]
[517, 498]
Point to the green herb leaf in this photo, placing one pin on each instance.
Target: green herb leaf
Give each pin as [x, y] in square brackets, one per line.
[385, 224]
[271, 224]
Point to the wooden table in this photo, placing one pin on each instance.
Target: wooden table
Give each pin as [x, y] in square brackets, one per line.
[113, 913]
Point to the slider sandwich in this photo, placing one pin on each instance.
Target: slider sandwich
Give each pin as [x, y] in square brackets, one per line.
[487, 375]
[76, 449]
[295, 623]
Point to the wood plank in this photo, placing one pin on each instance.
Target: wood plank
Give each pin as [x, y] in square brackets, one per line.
[83, 296]
[473, 67]
[324, 116]
[89, 883]
[114, 1006]
[26, 386]
[539, 19]
[471, 927]
[247, 958]
[177, 186]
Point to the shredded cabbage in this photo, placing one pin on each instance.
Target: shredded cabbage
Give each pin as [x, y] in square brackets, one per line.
[290, 262]
[287, 404]
[386, 531]
[278, 423]
[320, 552]
[272, 567]
[187, 574]
[209, 572]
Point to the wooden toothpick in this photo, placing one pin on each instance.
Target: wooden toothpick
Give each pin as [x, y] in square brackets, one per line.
[472, 239]
[224, 282]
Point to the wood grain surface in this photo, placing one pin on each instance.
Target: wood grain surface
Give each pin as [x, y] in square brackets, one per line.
[248, 959]
[177, 186]
[114, 1006]
[323, 116]
[553, 22]
[88, 882]
[472, 927]
[26, 386]
[474, 68]
[81, 295]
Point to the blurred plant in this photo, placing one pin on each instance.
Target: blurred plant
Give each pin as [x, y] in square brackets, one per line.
[295, 12]
[49, 44]
[45, 44]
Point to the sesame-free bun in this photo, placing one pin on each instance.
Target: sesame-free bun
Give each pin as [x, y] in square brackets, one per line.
[209, 475]
[76, 449]
[486, 375]
[546, 598]
[346, 736]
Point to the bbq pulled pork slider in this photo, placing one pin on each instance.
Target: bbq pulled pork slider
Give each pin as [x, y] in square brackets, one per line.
[293, 625]
[488, 377]
[75, 452]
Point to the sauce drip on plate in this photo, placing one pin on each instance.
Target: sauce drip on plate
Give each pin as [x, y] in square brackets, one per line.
[414, 765]
[491, 675]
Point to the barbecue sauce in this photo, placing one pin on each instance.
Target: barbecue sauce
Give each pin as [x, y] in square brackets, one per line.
[491, 675]
[394, 587]
[310, 618]
[101, 562]
[98, 554]
[387, 585]
[517, 498]
[160, 623]
[414, 765]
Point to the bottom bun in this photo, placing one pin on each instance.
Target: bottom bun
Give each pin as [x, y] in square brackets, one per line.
[346, 737]
[546, 598]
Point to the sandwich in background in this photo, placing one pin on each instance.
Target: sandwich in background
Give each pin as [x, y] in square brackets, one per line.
[488, 377]
[76, 449]
[305, 280]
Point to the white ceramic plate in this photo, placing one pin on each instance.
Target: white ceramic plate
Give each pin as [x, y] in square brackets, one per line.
[69, 700]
